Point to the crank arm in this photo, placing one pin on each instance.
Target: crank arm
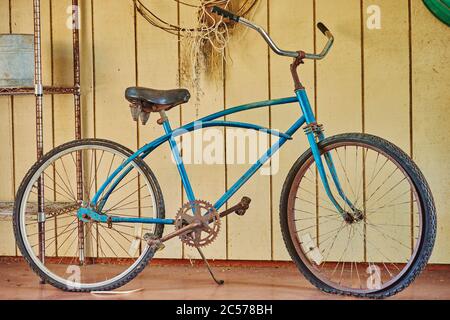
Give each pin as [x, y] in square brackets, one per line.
[240, 209]
[152, 242]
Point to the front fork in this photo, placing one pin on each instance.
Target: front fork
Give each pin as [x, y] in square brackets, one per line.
[315, 135]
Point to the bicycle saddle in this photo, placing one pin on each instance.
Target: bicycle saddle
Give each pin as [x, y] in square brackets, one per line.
[156, 100]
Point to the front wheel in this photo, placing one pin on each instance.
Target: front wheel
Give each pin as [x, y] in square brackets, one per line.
[382, 250]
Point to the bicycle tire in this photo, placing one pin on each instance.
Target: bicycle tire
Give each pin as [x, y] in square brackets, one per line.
[160, 210]
[429, 224]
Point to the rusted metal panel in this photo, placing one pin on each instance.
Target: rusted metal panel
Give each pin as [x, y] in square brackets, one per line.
[16, 60]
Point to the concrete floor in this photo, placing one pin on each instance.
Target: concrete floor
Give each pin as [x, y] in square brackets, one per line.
[182, 282]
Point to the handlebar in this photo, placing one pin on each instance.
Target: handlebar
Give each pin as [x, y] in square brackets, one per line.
[293, 54]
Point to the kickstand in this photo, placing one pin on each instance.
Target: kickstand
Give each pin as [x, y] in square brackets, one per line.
[219, 282]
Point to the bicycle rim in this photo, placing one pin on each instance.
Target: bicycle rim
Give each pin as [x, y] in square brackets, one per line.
[114, 251]
[369, 255]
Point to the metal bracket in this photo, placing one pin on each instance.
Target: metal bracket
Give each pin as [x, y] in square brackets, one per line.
[138, 113]
[315, 128]
[41, 217]
[39, 90]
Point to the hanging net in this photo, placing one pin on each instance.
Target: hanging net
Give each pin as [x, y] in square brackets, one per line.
[204, 43]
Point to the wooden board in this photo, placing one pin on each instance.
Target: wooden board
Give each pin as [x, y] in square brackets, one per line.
[87, 70]
[114, 72]
[431, 148]
[339, 97]
[64, 116]
[109, 56]
[249, 237]
[386, 114]
[24, 115]
[157, 54]
[207, 176]
[7, 247]
[300, 37]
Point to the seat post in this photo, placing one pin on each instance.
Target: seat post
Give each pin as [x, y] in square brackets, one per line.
[163, 118]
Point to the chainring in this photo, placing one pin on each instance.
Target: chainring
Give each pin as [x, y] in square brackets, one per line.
[209, 218]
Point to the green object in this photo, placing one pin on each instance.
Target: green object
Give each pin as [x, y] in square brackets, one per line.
[440, 8]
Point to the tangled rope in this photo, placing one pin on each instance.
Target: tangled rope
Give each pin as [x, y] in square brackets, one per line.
[152, 18]
[203, 44]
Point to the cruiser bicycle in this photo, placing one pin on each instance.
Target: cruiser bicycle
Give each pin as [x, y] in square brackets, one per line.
[356, 213]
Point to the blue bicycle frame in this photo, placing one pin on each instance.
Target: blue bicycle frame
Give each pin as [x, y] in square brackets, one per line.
[211, 121]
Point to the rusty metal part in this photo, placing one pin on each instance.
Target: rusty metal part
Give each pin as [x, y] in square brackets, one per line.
[354, 217]
[244, 206]
[155, 243]
[22, 91]
[217, 281]
[205, 222]
[39, 124]
[297, 62]
[314, 127]
[240, 209]
[62, 210]
[77, 112]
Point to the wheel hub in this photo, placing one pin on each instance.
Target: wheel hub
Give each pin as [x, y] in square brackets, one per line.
[354, 217]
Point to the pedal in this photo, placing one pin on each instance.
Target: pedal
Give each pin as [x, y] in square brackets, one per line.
[244, 205]
[154, 242]
[240, 209]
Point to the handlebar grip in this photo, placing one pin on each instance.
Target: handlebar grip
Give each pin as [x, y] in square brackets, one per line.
[323, 28]
[226, 14]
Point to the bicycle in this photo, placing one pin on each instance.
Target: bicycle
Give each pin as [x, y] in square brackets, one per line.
[356, 214]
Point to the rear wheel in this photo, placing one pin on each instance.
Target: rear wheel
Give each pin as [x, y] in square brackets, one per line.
[86, 256]
[383, 249]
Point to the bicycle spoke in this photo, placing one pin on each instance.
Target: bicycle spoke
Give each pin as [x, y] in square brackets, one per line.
[71, 243]
[377, 240]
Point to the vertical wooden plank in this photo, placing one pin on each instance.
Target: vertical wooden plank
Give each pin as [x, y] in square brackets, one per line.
[24, 107]
[24, 115]
[114, 72]
[249, 237]
[386, 107]
[6, 157]
[292, 31]
[386, 64]
[339, 96]
[208, 179]
[157, 53]
[64, 117]
[7, 247]
[339, 75]
[63, 105]
[430, 98]
[87, 69]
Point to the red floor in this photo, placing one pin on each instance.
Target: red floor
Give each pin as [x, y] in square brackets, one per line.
[282, 282]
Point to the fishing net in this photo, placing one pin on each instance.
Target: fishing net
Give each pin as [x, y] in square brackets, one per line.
[204, 44]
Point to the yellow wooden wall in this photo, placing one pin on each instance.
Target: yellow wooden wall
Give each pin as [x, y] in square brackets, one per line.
[393, 82]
